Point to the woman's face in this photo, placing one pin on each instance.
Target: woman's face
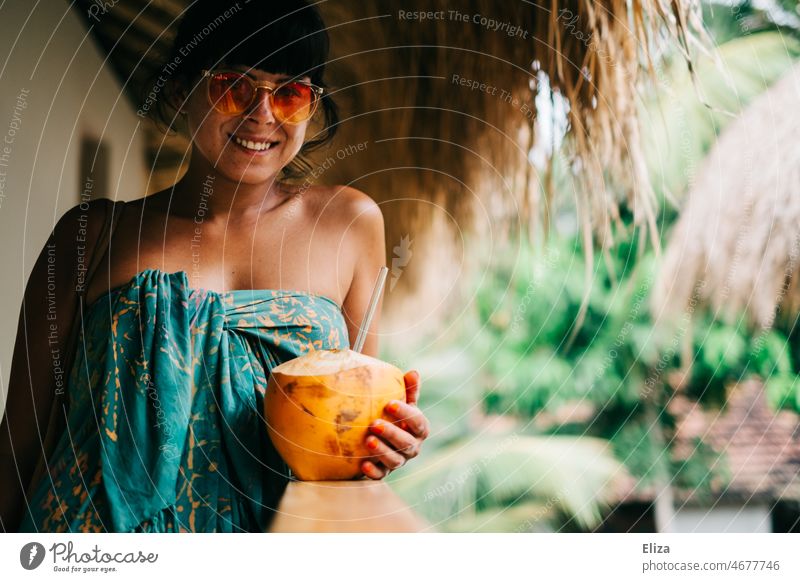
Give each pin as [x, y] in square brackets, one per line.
[214, 133]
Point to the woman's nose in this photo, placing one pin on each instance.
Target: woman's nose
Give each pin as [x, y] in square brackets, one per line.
[261, 108]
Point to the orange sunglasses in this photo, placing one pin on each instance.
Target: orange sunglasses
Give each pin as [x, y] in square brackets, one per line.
[233, 92]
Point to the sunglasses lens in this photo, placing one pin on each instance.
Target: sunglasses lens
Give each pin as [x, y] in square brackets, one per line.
[230, 92]
[294, 102]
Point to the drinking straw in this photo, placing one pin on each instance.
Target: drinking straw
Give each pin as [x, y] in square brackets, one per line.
[373, 303]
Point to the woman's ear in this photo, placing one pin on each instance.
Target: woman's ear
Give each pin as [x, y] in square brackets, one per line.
[177, 97]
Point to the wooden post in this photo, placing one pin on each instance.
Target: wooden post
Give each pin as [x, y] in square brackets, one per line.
[344, 506]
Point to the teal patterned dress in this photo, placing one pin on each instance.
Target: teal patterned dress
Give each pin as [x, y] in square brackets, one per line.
[165, 429]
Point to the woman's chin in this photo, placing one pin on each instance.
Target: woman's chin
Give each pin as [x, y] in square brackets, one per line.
[249, 175]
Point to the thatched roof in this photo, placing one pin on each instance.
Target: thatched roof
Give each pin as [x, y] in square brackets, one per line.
[737, 242]
[459, 146]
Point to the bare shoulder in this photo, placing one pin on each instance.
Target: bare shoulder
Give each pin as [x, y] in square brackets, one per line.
[345, 207]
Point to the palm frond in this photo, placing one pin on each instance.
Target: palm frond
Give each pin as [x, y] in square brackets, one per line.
[490, 472]
[522, 517]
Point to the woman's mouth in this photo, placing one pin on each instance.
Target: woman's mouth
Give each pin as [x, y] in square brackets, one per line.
[255, 147]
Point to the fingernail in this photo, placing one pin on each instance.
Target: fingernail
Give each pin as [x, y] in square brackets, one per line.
[393, 406]
[366, 466]
[378, 427]
[404, 425]
[372, 443]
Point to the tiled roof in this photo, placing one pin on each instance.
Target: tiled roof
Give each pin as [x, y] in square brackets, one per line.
[762, 447]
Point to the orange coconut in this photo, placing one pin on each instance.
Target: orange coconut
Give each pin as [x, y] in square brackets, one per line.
[318, 408]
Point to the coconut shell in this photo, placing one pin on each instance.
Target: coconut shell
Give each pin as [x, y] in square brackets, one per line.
[319, 406]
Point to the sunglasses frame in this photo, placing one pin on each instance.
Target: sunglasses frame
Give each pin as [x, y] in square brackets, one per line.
[266, 85]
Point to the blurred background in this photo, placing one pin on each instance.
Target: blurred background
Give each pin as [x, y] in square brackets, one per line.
[593, 227]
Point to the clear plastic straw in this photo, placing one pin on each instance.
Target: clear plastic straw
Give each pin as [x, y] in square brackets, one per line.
[373, 303]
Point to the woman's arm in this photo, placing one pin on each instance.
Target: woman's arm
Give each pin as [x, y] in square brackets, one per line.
[363, 224]
[393, 443]
[39, 367]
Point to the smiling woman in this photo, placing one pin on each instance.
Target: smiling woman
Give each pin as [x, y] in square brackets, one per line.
[292, 44]
[161, 427]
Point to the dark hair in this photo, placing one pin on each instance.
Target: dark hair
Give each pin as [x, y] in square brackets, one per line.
[285, 37]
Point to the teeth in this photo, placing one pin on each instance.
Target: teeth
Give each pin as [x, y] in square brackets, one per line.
[252, 145]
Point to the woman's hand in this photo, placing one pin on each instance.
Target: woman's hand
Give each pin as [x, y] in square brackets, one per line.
[396, 443]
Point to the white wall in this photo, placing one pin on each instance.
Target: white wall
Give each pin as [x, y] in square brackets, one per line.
[725, 519]
[46, 50]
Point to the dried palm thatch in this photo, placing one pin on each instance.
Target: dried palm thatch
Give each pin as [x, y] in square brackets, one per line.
[736, 246]
[438, 147]
[398, 75]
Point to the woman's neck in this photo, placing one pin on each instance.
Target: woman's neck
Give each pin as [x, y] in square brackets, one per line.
[204, 190]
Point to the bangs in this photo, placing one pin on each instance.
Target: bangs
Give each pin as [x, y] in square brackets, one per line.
[288, 46]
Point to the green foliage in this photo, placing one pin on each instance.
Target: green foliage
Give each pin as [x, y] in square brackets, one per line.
[702, 467]
[721, 357]
[531, 364]
[727, 20]
[636, 443]
[726, 353]
[530, 384]
[783, 392]
[770, 354]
